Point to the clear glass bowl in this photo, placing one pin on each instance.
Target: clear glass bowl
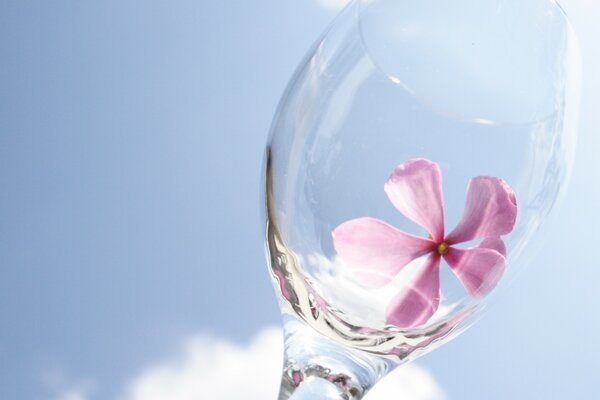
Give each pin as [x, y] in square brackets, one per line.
[480, 88]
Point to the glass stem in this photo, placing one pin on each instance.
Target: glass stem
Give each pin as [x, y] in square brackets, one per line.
[317, 368]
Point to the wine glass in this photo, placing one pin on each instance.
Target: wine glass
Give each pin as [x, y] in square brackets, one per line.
[412, 159]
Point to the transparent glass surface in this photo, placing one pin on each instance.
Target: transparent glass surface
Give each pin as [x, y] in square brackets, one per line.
[486, 88]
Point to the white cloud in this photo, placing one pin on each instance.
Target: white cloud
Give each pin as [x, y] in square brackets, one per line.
[334, 4]
[218, 370]
[215, 369]
[63, 387]
[73, 394]
[408, 382]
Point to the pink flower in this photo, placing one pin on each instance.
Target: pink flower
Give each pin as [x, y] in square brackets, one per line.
[377, 251]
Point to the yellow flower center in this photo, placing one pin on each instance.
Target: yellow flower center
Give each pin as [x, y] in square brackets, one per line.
[443, 248]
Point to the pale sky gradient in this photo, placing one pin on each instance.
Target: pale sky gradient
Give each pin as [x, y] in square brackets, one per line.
[131, 142]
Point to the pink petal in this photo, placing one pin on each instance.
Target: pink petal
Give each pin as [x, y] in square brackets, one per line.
[478, 268]
[491, 211]
[375, 250]
[494, 244]
[418, 301]
[415, 189]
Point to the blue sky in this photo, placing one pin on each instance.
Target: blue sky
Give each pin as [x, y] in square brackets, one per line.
[131, 140]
